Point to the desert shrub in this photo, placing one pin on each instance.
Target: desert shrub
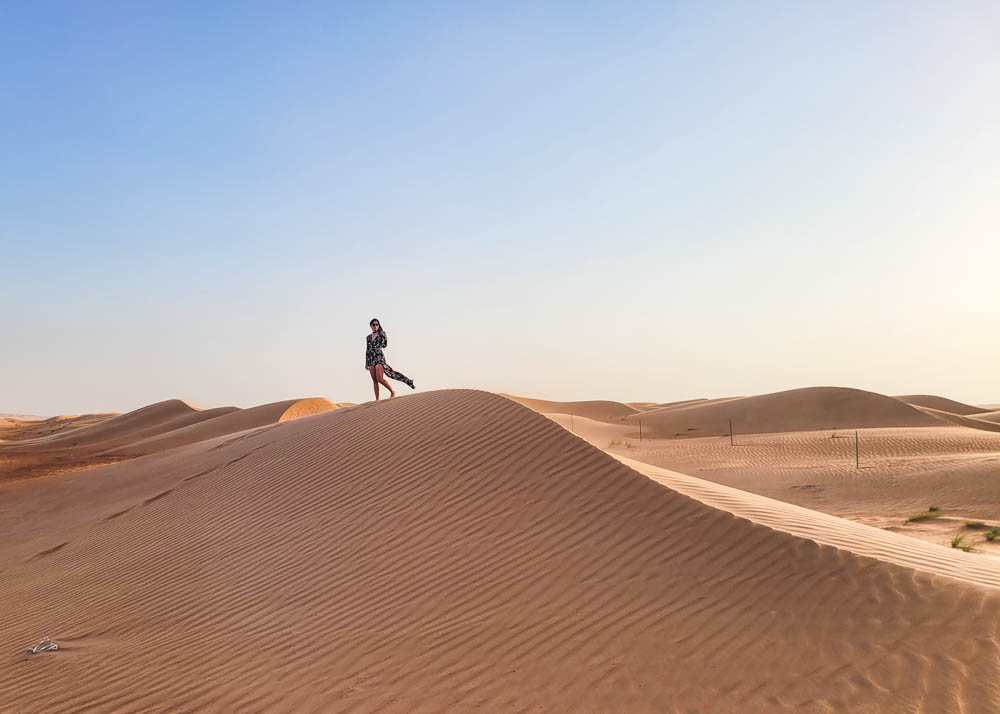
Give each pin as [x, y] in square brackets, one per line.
[959, 542]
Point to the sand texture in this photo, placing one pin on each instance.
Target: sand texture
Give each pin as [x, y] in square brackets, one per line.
[454, 550]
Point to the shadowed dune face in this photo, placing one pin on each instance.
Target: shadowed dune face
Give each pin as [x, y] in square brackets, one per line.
[453, 550]
[989, 416]
[795, 410]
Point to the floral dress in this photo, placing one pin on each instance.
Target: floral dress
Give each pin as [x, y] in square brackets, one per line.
[374, 356]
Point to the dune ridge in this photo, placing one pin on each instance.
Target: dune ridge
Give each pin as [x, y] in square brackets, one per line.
[447, 551]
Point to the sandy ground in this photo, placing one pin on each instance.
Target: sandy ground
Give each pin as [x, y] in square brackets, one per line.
[455, 550]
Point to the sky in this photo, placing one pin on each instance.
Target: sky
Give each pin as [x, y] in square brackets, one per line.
[566, 200]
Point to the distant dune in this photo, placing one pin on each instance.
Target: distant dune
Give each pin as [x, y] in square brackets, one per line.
[595, 409]
[30, 449]
[229, 422]
[147, 421]
[973, 422]
[795, 410]
[26, 430]
[993, 416]
[454, 550]
[940, 404]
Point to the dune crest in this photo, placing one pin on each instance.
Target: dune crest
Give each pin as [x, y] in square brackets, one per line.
[454, 550]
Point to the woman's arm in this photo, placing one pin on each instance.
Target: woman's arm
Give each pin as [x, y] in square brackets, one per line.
[384, 342]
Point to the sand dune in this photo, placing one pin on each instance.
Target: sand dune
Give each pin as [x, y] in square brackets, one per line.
[939, 403]
[795, 410]
[235, 420]
[90, 442]
[451, 551]
[651, 406]
[594, 409]
[904, 470]
[993, 416]
[141, 423]
[824, 529]
[973, 422]
[24, 430]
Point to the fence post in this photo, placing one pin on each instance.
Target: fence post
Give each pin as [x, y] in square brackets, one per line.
[731, 433]
[857, 457]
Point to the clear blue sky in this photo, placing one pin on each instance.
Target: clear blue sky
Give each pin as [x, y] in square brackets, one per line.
[568, 200]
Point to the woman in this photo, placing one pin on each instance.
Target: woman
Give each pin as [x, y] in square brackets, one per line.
[375, 360]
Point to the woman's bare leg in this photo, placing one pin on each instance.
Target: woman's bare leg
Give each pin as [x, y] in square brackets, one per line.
[371, 371]
[379, 372]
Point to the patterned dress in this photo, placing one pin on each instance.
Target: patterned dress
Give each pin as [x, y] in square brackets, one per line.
[374, 356]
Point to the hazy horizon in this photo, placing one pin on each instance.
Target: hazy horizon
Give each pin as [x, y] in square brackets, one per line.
[641, 203]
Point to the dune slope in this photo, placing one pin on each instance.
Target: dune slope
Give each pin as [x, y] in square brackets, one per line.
[448, 551]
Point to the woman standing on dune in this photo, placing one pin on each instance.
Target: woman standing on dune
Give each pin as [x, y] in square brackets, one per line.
[375, 360]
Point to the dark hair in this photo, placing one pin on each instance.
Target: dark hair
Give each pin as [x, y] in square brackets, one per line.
[375, 319]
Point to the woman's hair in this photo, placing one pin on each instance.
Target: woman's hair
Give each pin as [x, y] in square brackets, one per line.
[375, 319]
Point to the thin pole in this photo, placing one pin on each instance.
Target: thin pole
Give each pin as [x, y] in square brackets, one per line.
[857, 457]
[731, 433]
[640, 431]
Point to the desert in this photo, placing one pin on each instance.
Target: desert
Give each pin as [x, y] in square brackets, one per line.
[456, 549]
